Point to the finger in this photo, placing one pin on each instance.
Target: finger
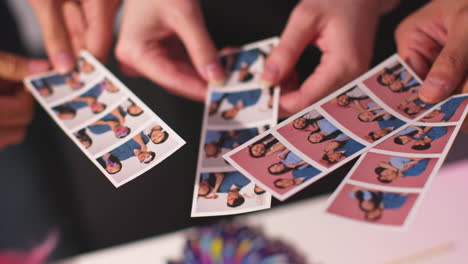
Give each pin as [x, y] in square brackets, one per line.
[11, 136]
[417, 48]
[16, 110]
[16, 68]
[75, 23]
[58, 45]
[299, 32]
[332, 73]
[100, 17]
[202, 51]
[451, 66]
[168, 67]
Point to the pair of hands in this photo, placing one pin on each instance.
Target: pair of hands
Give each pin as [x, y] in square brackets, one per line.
[167, 42]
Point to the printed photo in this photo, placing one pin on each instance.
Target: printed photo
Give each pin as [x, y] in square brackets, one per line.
[113, 127]
[419, 139]
[241, 107]
[92, 102]
[361, 115]
[373, 206]
[394, 171]
[219, 142]
[319, 139]
[245, 66]
[275, 166]
[230, 192]
[138, 154]
[450, 111]
[399, 89]
[56, 86]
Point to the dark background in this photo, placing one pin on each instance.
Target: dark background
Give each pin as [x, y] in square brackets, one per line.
[46, 182]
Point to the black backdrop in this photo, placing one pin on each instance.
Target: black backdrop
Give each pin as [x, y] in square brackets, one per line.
[91, 212]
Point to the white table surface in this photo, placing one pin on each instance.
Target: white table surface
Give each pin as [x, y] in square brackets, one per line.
[438, 233]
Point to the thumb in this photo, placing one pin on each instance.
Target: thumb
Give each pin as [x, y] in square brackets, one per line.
[450, 68]
[16, 68]
[202, 51]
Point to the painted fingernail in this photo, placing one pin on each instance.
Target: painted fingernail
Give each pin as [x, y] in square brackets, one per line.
[215, 73]
[434, 90]
[63, 62]
[269, 75]
[37, 66]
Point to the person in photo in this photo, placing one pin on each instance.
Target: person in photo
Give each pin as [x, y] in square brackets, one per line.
[422, 138]
[324, 131]
[215, 140]
[400, 167]
[134, 148]
[237, 100]
[353, 95]
[308, 120]
[397, 79]
[265, 147]
[114, 121]
[447, 110]
[412, 106]
[84, 138]
[374, 203]
[157, 134]
[224, 182]
[42, 87]
[84, 66]
[337, 150]
[301, 171]
[89, 99]
[380, 133]
[241, 62]
[371, 113]
[132, 108]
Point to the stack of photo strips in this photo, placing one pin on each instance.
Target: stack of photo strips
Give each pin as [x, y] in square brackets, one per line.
[235, 243]
[114, 129]
[380, 114]
[234, 113]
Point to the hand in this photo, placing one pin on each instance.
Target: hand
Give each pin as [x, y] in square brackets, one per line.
[342, 29]
[434, 41]
[16, 104]
[69, 26]
[167, 42]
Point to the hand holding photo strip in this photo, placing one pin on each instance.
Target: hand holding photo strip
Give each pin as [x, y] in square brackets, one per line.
[234, 113]
[114, 129]
[357, 118]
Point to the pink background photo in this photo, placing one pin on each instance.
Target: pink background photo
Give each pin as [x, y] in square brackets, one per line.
[437, 146]
[258, 168]
[347, 206]
[387, 96]
[455, 118]
[365, 172]
[348, 118]
[298, 138]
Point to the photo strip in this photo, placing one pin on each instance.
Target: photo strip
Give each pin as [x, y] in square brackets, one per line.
[353, 120]
[113, 128]
[234, 113]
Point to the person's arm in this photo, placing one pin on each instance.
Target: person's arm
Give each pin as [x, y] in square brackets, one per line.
[387, 165]
[298, 164]
[275, 148]
[379, 114]
[408, 100]
[284, 154]
[16, 103]
[138, 139]
[219, 177]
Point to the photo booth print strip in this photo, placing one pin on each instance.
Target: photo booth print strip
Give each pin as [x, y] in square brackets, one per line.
[96, 97]
[379, 135]
[234, 113]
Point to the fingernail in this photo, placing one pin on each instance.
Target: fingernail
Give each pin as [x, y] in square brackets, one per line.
[434, 90]
[215, 73]
[37, 66]
[63, 62]
[269, 75]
